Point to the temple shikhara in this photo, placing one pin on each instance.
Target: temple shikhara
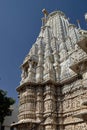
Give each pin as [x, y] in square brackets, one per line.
[53, 86]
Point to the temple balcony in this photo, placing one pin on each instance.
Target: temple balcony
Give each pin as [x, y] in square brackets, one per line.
[79, 62]
[82, 113]
[83, 43]
[84, 101]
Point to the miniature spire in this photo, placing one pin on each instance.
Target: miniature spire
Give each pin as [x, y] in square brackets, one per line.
[45, 16]
[45, 13]
[86, 17]
[78, 22]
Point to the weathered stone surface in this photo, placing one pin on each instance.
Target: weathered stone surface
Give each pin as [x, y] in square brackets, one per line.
[53, 87]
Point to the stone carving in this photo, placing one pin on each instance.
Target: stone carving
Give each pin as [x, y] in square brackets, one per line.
[50, 93]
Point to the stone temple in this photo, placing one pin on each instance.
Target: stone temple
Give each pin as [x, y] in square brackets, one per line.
[53, 87]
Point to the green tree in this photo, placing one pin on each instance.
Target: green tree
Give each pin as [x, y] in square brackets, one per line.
[5, 103]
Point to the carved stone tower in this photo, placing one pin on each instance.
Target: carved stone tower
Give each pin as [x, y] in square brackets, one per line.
[53, 87]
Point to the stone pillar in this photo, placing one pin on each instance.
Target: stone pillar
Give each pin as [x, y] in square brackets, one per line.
[39, 75]
[49, 107]
[31, 72]
[59, 109]
[39, 104]
[39, 107]
[27, 103]
[57, 65]
[23, 75]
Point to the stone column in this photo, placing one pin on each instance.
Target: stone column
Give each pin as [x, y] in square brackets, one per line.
[22, 75]
[31, 72]
[27, 103]
[49, 107]
[39, 106]
[57, 65]
[59, 109]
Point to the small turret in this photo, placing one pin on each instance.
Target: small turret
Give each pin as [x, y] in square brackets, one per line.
[45, 12]
[86, 17]
[44, 20]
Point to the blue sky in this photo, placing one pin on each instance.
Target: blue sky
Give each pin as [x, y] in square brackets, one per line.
[20, 22]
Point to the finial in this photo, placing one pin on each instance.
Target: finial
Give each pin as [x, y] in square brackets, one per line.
[68, 19]
[44, 20]
[86, 17]
[78, 22]
[45, 12]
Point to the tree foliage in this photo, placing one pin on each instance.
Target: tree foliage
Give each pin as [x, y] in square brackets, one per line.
[5, 103]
